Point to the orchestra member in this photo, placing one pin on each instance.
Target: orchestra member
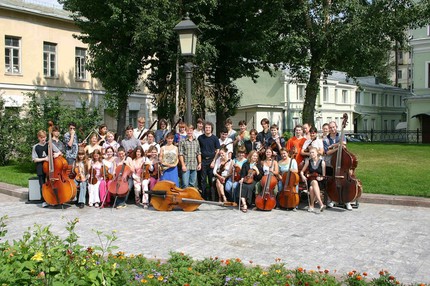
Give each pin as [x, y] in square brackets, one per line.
[331, 144]
[269, 165]
[94, 145]
[276, 142]
[129, 142]
[94, 167]
[231, 133]
[190, 158]
[119, 161]
[314, 142]
[102, 134]
[284, 167]
[209, 147]
[71, 143]
[252, 143]
[325, 131]
[161, 133]
[56, 139]
[150, 141]
[316, 180]
[199, 128]
[140, 130]
[232, 187]
[80, 168]
[265, 134]
[297, 142]
[109, 163]
[306, 130]
[110, 142]
[222, 172]
[152, 154]
[225, 141]
[139, 165]
[250, 174]
[169, 160]
[182, 133]
[39, 155]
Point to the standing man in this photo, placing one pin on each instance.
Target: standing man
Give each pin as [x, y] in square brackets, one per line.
[129, 143]
[209, 147]
[231, 133]
[264, 135]
[140, 130]
[297, 142]
[190, 158]
[331, 144]
[225, 141]
[275, 141]
[306, 131]
[71, 144]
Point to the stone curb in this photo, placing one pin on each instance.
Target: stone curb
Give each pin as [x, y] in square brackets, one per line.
[22, 193]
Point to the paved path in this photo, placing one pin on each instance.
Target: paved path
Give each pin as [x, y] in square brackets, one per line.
[370, 238]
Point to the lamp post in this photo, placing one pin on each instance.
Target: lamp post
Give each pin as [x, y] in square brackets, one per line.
[188, 32]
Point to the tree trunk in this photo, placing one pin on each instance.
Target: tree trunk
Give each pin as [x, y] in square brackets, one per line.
[122, 115]
[312, 90]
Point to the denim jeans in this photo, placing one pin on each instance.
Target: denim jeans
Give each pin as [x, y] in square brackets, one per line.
[82, 191]
[189, 179]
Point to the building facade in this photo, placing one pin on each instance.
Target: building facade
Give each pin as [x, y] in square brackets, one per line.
[368, 103]
[40, 53]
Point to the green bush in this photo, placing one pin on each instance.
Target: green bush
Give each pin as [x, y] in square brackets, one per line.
[42, 258]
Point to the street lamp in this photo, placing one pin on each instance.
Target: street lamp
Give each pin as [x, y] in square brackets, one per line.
[188, 32]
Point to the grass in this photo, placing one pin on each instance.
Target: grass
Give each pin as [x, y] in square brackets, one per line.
[392, 169]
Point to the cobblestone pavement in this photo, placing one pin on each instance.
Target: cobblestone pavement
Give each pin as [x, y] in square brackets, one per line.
[370, 238]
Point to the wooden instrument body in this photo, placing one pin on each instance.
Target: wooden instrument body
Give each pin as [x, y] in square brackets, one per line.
[266, 200]
[173, 197]
[119, 185]
[289, 197]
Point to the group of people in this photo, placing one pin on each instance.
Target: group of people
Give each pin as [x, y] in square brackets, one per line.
[225, 168]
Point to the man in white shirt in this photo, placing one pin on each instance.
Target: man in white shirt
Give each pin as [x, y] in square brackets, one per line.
[226, 141]
[140, 130]
[150, 142]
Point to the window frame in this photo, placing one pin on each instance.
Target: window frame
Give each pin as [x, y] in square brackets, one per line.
[80, 64]
[9, 52]
[48, 70]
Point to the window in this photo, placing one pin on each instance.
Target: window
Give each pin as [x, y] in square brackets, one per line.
[357, 97]
[401, 100]
[336, 95]
[385, 99]
[400, 55]
[12, 55]
[399, 74]
[393, 124]
[344, 96]
[385, 125]
[49, 59]
[409, 73]
[373, 98]
[132, 117]
[373, 123]
[300, 92]
[325, 94]
[80, 69]
[365, 124]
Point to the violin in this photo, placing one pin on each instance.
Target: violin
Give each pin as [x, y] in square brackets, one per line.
[266, 200]
[59, 188]
[119, 185]
[93, 178]
[236, 173]
[165, 196]
[145, 172]
[106, 175]
[249, 178]
[289, 197]
[142, 136]
[344, 187]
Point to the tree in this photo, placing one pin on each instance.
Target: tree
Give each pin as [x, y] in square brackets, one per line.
[123, 38]
[316, 37]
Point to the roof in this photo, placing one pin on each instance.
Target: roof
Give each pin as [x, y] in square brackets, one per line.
[36, 8]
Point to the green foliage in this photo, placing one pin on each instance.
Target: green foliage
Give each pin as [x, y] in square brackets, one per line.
[10, 126]
[42, 258]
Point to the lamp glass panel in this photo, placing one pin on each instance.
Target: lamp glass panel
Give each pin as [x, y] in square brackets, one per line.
[186, 41]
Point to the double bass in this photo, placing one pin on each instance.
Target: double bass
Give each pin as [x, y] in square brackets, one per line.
[289, 197]
[59, 188]
[165, 196]
[344, 187]
[266, 200]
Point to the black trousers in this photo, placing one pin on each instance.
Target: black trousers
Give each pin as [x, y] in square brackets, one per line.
[206, 180]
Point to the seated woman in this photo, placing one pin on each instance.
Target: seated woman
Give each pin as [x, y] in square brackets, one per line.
[286, 164]
[222, 172]
[231, 186]
[269, 165]
[315, 177]
[250, 174]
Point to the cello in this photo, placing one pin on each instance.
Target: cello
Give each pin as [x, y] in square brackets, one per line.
[266, 200]
[289, 197]
[344, 187]
[58, 189]
[119, 185]
[165, 196]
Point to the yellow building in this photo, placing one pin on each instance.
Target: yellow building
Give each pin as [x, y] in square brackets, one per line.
[41, 53]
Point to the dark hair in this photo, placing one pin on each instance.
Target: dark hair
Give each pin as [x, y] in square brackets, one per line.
[120, 148]
[129, 127]
[170, 135]
[224, 130]
[228, 121]
[141, 151]
[264, 120]
[55, 128]
[200, 121]
[208, 123]
[313, 129]
[72, 124]
[242, 122]
[163, 121]
[253, 131]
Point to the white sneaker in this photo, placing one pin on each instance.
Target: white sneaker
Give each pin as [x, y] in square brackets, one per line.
[311, 210]
[45, 205]
[348, 206]
[330, 204]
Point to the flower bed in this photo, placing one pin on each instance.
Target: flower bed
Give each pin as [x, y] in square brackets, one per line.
[42, 258]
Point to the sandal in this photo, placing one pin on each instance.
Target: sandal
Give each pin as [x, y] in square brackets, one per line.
[224, 198]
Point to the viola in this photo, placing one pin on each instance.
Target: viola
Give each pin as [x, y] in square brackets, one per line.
[266, 200]
[289, 197]
[165, 196]
[344, 187]
[119, 185]
[59, 188]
